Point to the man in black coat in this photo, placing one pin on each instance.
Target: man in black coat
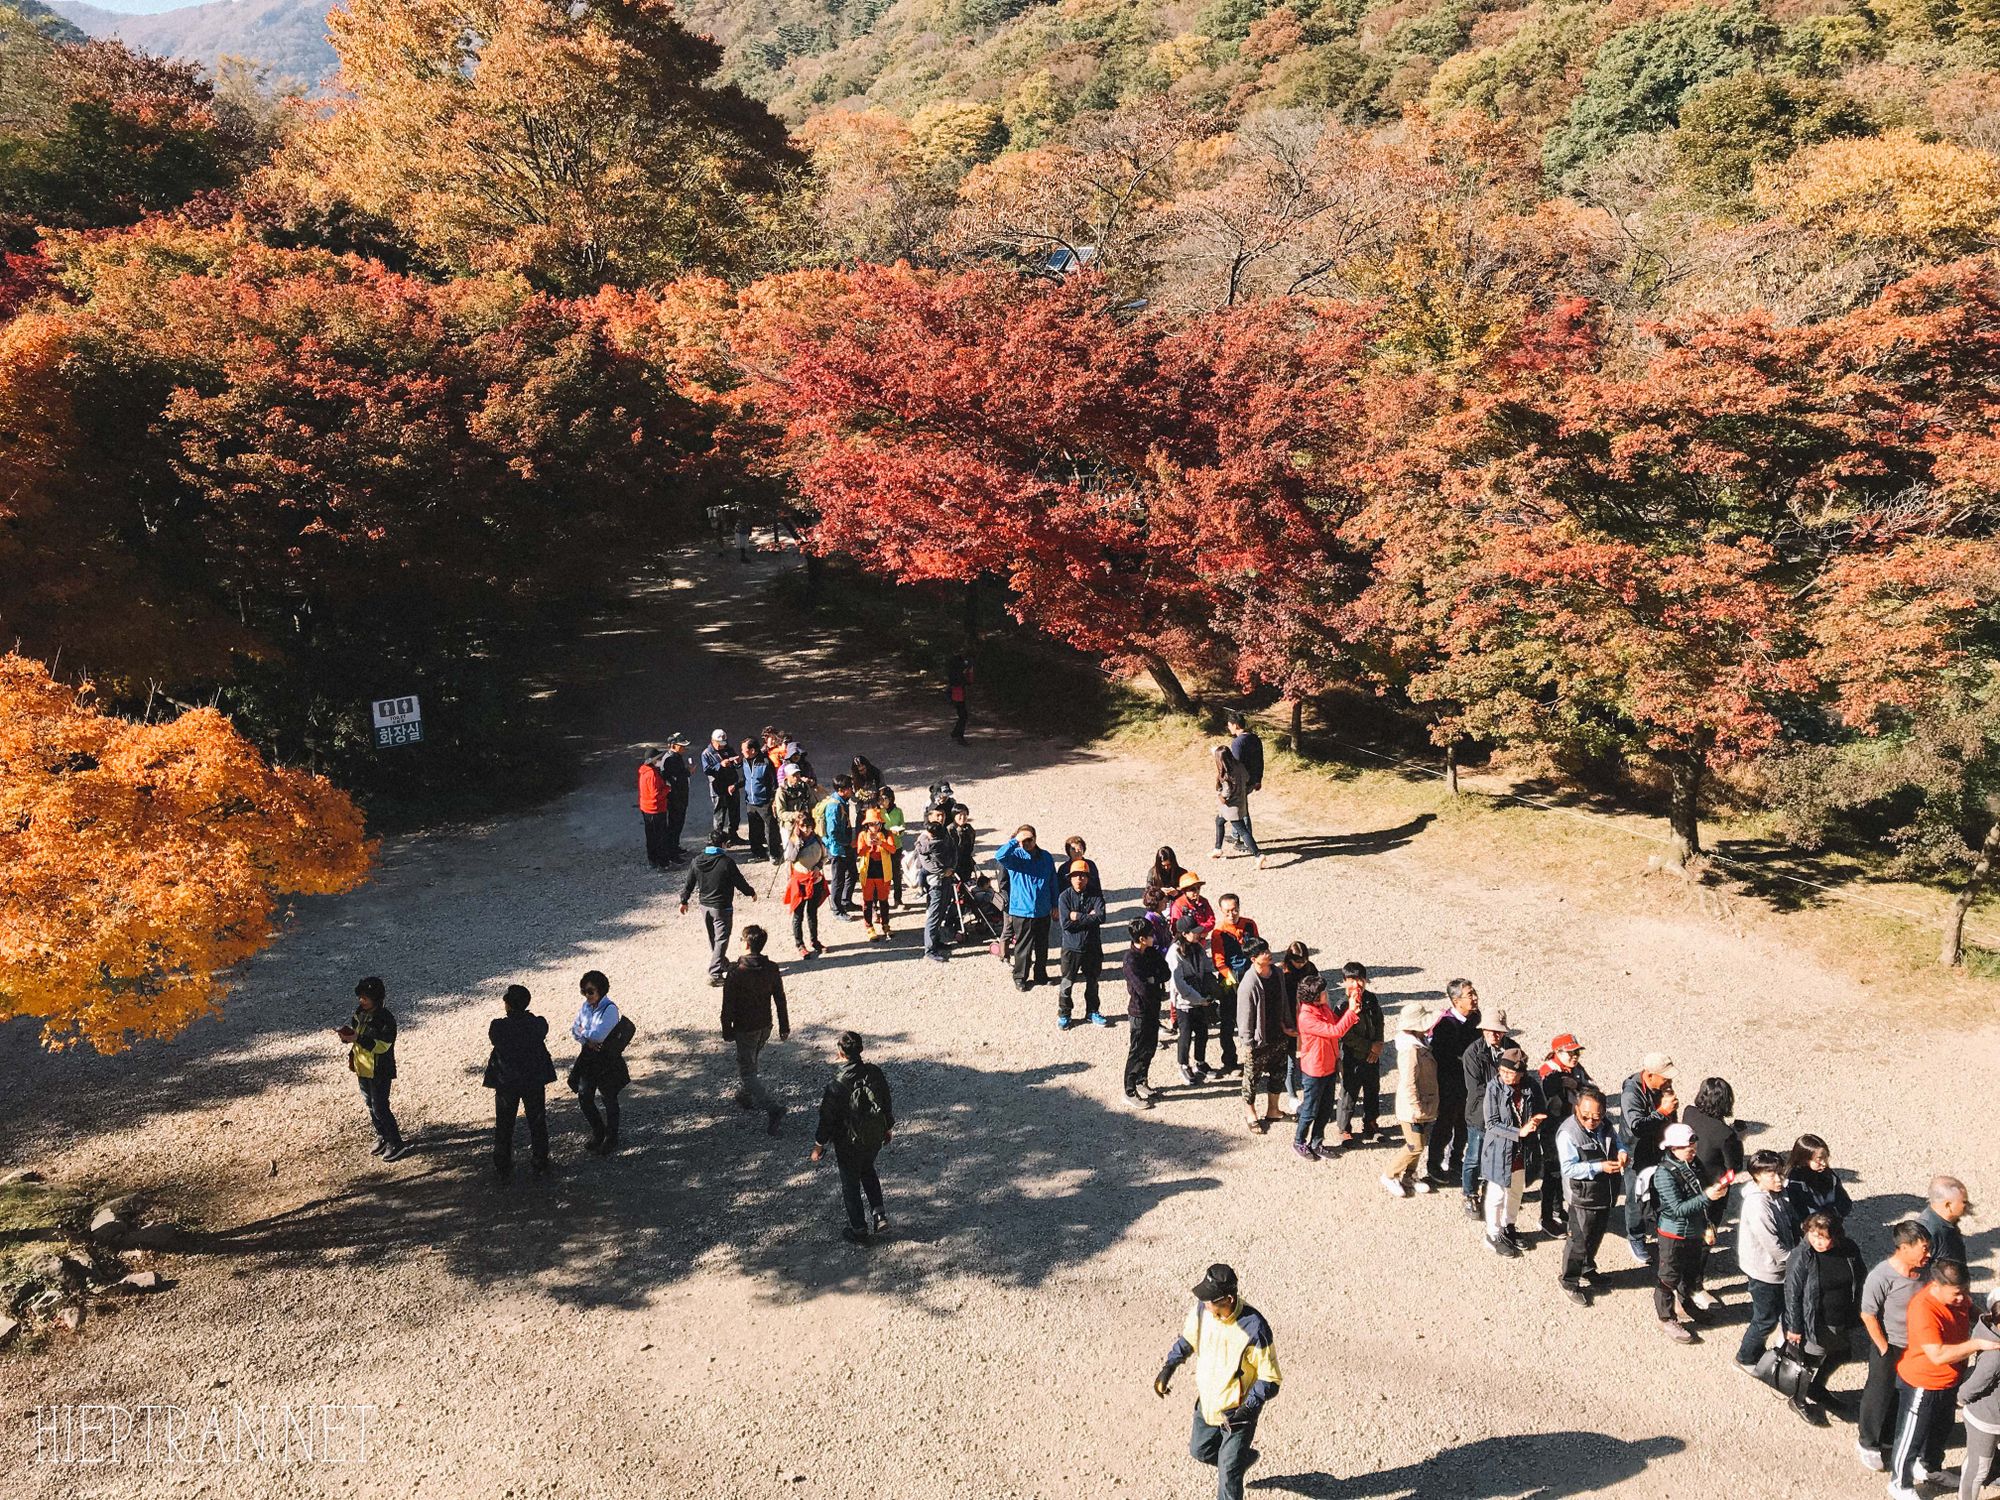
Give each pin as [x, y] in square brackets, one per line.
[519, 1072]
[1452, 1032]
[856, 1118]
[716, 880]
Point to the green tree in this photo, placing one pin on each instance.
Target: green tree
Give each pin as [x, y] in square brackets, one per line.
[1734, 125]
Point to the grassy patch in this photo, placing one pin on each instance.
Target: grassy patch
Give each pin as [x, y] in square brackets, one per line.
[36, 1218]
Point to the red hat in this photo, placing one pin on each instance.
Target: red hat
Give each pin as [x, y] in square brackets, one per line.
[1565, 1043]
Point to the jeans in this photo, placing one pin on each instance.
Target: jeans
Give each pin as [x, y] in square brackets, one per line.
[603, 1127]
[1877, 1418]
[1415, 1137]
[1145, 1039]
[750, 1088]
[805, 923]
[1227, 1449]
[1311, 1128]
[1767, 1310]
[1923, 1421]
[1084, 966]
[1192, 1050]
[727, 815]
[937, 919]
[718, 921]
[1587, 1224]
[1237, 829]
[657, 844]
[506, 1104]
[843, 880]
[857, 1177]
[767, 839]
[1673, 1272]
[1360, 1094]
[1026, 943]
[375, 1091]
[1468, 1180]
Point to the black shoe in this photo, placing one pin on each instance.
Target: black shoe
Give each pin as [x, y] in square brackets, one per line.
[715, 981]
[610, 1145]
[1473, 1210]
[1808, 1413]
[1502, 1246]
[398, 1151]
[881, 1221]
[854, 1236]
[1576, 1294]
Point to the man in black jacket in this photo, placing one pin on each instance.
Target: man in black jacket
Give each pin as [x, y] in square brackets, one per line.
[673, 768]
[1249, 752]
[750, 990]
[1478, 1066]
[715, 876]
[519, 1073]
[856, 1118]
[936, 854]
[1145, 988]
[1647, 1105]
[1080, 918]
[371, 1054]
[1454, 1030]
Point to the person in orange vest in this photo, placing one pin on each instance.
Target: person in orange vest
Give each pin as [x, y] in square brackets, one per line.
[875, 850]
[653, 809]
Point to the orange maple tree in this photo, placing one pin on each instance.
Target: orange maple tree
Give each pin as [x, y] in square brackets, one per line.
[138, 862]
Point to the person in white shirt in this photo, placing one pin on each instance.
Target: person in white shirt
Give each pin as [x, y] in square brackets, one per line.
[599, 1072]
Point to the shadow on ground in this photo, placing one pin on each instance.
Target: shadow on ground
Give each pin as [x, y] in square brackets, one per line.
[975, 1185]
[1533, 1466]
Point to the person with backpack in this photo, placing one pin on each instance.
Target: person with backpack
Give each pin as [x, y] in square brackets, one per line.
[835, 820]
[717, 881]
[1080, 920]
[760, 795]
[1232, 812]
[653, 809]
[1562, 1077]
[1031, 899]
[893, 823]
[1235, 1376]
[1249, 753]
[519, 1071]
[1455, 1029]
[370, 1036]
[1146, 981]
[936, 854]
[1979, 1405]
[1512, 1125]
[857, 1119]
[750, 990]
[1479, 1066]
[1647, 1107]
[599, 1072]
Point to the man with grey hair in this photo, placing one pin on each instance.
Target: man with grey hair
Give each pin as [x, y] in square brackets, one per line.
[1948, 1205]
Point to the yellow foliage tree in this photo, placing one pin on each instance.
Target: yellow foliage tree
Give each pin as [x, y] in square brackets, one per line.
[139, 861]
[1922, 199]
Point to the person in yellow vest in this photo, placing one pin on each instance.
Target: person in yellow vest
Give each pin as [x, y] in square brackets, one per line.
[371, 1056]
[875, 848]
[1235, 1374]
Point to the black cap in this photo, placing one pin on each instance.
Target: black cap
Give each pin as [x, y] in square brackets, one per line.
[1189, 925]
[1220, 1282]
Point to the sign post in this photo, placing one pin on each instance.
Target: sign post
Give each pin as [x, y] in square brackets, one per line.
[398, 721]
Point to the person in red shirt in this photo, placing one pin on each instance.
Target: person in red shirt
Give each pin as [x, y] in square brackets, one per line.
[1189, 902]
[1320, 1031]
[1940, 1322]
[653, 809]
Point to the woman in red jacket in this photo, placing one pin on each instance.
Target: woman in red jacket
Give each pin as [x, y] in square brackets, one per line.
[653, 809]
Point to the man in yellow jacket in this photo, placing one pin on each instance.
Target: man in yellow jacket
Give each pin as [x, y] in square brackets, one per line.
[1235, 1373]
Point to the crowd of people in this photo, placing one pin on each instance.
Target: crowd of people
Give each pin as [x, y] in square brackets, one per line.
[1470, 1109]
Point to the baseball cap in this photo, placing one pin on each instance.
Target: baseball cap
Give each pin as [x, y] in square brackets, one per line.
[1567, 1042]
[719, 737]
[1189, 925]
[677, 738]
[1657, 1062]
[1678, 1135]
[1220, 1282]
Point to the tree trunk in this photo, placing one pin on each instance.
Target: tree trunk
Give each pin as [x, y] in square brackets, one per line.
[1169, 685]
[1298, 726]
[1952, 953]
[1684, 812]
[1451, 767]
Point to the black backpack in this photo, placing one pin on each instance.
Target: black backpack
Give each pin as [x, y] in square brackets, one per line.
[867, 1115]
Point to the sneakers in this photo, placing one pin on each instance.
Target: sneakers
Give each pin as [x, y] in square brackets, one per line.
[1903, 1492]
[1187, 1076]
[1576, 1294]
[1704, 1301]
[938, 958]
[1216, 852]
[378, 1148]
[1422, 1185]
[715, 981]
[1503, 1246]
[1394, 1187]
[1138, 1101]
[1680, 1333]
[1638, 1253]
[398, 1151]
[1263, 861]
[1473, 1210]
[881, 1221]
[1300, 1148]
[1750, 1368]
[1063, 1023]
[1870, 1458]
[1808, 1413]
[1098, 1018]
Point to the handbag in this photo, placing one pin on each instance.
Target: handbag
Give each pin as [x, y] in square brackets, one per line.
[1787, 1369]
[491, 1077]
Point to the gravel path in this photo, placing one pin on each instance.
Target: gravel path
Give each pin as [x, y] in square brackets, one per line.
[683, 1321]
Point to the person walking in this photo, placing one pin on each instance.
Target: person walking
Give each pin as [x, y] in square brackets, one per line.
[834, 818]
[599, 1072]
[724, 770]
[1941, 1340]
[716, 881]
[760, 796]
[1588, 1164]
[752, 988]
[1682, 1231]
[875, 865]
[936, 855]
[1764, 1243]
[1946, 1204]
[1511, 1125]
[1455, 1029]
[857, 1118]
[958, 689]
[1146, 980]
[1192, 971]
[1979, 1404]
[1260, 1000]
[1885, 1309]
[1418, 1101]
[653, 810]
[1647, 1107]
[370, 1035]
[1321, 1037]
[673, 768]
[1562, 1077]
[1080, 919]
[519, 1071]
[1823, 1282]
[1232, 813]
[1479, 1066]
[1031, 898]
[1249, 753]
[805, 886]
[1235, 1376]
[1359, 1109]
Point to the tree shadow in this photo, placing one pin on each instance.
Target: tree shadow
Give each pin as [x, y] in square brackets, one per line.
[1531, 1466]
[973, 1183]
[1304, 848]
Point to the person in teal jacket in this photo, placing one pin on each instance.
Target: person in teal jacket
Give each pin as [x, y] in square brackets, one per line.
[1685, 1232]
[1031, 897]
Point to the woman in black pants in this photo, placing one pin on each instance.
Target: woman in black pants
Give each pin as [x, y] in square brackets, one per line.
[1823, 1278]
[519, 1072]
[1718, 1150]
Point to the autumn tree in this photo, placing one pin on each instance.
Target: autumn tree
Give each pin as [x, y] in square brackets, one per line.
[139, 861]
[577, 144]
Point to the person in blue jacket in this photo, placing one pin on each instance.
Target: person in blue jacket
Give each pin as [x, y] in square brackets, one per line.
[1031, 897]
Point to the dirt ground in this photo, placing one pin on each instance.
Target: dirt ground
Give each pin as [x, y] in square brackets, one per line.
[683, 1320]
